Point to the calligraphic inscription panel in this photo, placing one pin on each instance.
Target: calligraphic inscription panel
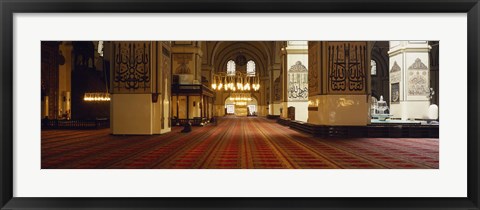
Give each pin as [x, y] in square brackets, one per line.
[395, 94]
[314, 66]
[418, 79]
[298, 82]
[131, 69]
[277, 90]
[347, 67]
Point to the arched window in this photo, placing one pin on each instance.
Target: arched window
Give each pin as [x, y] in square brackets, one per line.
[373, 65]
[231, 67]
[251, 68]
[100, 48]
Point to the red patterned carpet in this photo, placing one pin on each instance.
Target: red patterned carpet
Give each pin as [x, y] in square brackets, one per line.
[234, 143]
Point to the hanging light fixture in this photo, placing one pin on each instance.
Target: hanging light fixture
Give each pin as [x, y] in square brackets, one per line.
[96, 97]
[235, 82]
[240, 99]
[99, 96]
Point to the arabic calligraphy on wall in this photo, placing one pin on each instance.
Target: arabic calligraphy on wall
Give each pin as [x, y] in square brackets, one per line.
[277, 88]
[395, 92]
[347, 67]
[298, 82]
[132, 67]
[418, 79]
[313, 64]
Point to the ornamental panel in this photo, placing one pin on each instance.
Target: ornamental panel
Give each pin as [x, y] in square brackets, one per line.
[182, 63]
[314, 65]
[131, 70]
[347, 67]
[418, 79]
[395, 73]
[297, 82]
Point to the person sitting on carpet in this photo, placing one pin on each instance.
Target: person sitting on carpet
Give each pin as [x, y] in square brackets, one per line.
[187, 127]
[214, 120]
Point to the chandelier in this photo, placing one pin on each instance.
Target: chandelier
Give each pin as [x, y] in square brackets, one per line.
[240, 99]
[237, 81]
[99, 96]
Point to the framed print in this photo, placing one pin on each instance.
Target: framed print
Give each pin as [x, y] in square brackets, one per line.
[239, 105]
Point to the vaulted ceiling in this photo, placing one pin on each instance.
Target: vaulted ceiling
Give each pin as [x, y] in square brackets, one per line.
[264, 53]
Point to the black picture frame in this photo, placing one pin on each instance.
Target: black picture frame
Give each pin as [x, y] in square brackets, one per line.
[10, 7]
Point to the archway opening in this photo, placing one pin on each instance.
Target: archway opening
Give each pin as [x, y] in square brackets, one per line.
[241, 106]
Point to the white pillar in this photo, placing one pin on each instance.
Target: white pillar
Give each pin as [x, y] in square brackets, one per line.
[295, 74]
[141, 104]
[409, 79]
[339, 83]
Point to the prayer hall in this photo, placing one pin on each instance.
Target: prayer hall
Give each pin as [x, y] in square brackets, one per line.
[240, 104]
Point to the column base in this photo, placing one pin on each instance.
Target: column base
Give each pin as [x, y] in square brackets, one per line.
[166, 130]
[131, 114]
[345, 110]
[274, 109]
[410, 110]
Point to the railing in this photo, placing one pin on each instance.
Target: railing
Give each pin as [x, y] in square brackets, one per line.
[372, 131]
[192, 89]
[283, 121]
[75, 124]
[196, 121]
[274, 117]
